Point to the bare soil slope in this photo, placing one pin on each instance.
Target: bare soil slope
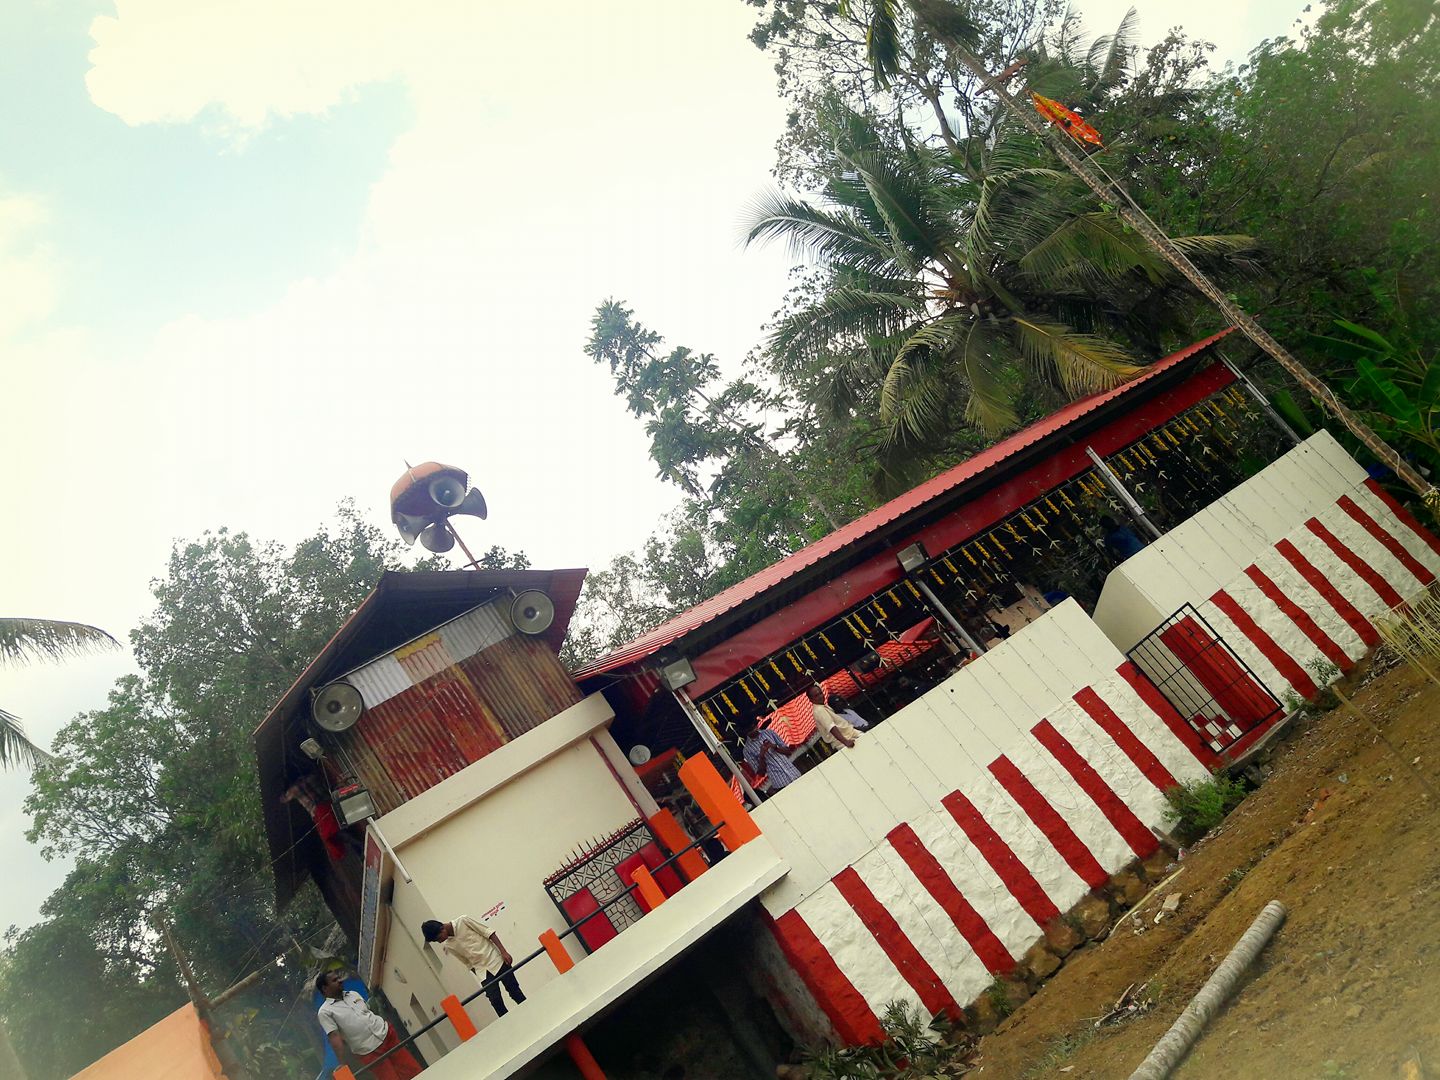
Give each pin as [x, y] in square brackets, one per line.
[1342, 833]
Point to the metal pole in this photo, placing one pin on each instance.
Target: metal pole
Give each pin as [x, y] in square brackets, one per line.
[1113, 483]
[713, 744]
[380, 839]
[1260, 399]
[946, 615]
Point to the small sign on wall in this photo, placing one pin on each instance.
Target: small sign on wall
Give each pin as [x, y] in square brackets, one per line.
[493, 913]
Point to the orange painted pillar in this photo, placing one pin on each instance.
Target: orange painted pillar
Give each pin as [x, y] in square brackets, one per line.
[342, 1072]
[583, 1059]
[714, 796]
[464, 1026]
[645, 885]
[555, 948]
[672, 835]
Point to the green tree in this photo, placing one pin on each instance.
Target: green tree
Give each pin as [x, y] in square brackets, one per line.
[24, 641]
[156, 796]
[949, 285]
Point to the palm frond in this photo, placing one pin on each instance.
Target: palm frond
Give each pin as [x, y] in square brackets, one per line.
[1107, 57]
[811, 232]
[26, 640]
[947, 22]
[991, 403]
[15, 748]
[1223, 244]
[843, 316]
[1088, 248]
[1079, 363]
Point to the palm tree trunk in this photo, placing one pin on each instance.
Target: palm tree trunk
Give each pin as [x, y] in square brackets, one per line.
[1112, 193]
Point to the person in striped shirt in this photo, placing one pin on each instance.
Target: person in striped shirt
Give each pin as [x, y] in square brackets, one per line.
[768, 756]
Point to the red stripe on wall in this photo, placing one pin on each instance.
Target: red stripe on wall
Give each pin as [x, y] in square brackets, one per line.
[1326, 588]
[1160, 705]
[1100, 711]
[1301, 618]
[1048, 820]
[942, 889]
[1014, 873]
[1367, 573]
[1421, 573]
[1404, 515]
[1141, 840]
[912, 966]
[1283, 661]
[850, 1014]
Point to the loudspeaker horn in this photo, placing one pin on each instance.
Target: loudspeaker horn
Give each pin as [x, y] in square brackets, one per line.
[410, 526]
[447, 491]
[337, 707]
[474, 505]
[437, 537]
[532, 612]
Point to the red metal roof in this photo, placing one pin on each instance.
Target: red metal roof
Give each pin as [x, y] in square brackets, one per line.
[867, 524]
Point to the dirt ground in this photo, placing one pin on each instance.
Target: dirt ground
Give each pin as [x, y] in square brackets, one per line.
[1350, 987]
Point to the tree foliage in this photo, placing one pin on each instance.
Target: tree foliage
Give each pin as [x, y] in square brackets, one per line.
[155, 795]
[26, 641]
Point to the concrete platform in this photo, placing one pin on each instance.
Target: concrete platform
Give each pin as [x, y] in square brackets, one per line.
[567, 1002]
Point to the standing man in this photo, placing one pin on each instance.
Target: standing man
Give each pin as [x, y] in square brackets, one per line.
[480, 949]
[357, 1033]
[768, 756]
[833, 728]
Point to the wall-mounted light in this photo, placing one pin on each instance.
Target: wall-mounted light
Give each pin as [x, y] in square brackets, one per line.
[353, 804]
[677, 674]
[912, 558]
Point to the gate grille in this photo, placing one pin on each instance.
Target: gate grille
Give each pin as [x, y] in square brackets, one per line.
[1208, 683]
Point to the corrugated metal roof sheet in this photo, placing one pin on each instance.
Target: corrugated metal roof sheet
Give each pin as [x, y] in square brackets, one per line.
[867, 524]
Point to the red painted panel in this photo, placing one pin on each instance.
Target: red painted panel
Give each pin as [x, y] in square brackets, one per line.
[1418, 569]
[1224, 679]
[1332, 596]
[1014, 873]
[1301, 618]
[1285, 664]
[972, 926]
[1048, 820]
[888, 934]
[1160, 705]
[1098, 710]
[596, 931]
[1141, 840]
[1404, 515]
[849, 1013]
[1367, 573]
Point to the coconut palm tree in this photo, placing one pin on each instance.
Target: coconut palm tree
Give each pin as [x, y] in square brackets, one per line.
[955, 283]
[950, 24]
[23, 641]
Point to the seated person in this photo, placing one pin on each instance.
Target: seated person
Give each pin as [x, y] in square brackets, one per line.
[846, 710]
[1120, 540]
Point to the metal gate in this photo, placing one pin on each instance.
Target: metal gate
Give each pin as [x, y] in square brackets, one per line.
[1208, 683]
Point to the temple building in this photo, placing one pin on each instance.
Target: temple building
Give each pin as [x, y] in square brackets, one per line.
[1039, 642]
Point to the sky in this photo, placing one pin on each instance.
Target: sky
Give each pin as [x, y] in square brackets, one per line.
[254, 257]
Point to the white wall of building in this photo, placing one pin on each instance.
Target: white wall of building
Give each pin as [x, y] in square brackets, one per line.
[489, 836]
[1211, 548]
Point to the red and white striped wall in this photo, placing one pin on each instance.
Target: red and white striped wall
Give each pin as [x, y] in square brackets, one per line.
[1307, 603]
[927, 860]
[1290, 568]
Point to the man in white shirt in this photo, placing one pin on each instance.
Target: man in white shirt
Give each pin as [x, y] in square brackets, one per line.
[480, 949]
[833, 728]
[357, 1033]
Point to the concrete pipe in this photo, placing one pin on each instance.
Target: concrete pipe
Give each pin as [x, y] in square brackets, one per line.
[1176, 1043]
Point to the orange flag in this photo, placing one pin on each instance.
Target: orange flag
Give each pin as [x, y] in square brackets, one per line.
[1067, 120]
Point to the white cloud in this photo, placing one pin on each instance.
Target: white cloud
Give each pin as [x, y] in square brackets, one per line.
[27, 268]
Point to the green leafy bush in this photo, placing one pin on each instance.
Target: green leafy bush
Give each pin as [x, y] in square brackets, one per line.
[1198, 806]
